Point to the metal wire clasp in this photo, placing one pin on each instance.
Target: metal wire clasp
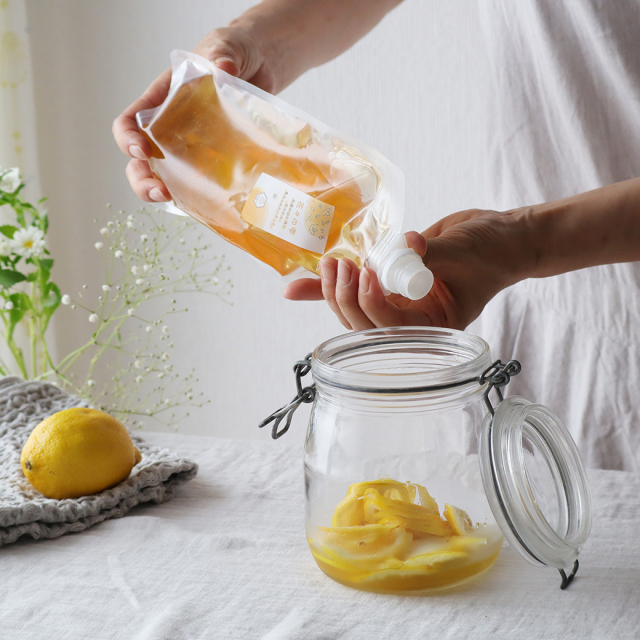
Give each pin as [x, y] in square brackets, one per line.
[498, 375]
[303, 395]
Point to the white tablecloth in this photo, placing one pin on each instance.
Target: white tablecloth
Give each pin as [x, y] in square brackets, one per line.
[227, 558]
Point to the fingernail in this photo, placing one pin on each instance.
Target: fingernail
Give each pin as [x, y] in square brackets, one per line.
[220, 61]
[344, 272]
[328, 272]
[136, 152]
[156, 195]
[364, 281]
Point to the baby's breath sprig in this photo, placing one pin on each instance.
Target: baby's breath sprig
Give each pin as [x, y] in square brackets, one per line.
[150, 259]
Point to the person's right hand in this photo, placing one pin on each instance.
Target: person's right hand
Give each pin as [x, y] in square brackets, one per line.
[231, 49]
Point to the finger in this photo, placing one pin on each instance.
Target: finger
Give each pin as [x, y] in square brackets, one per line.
[125, 128]
[347, 296]
[304, 289]
[378, 309]
[145, 185]
[329, 273]
[416, 242]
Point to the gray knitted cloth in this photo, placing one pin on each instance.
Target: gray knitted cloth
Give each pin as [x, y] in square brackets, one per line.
[24, 511]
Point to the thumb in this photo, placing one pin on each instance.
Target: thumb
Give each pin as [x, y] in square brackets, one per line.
[228, 64]
[233, 51]
[416, 241]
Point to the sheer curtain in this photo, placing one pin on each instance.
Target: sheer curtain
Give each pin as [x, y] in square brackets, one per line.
[17, 116]
[17, 113]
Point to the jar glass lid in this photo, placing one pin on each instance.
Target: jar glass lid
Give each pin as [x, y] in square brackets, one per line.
[535, 482]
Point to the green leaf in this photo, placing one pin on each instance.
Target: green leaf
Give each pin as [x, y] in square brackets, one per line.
[32, 277]
[8, 230]
[15, 315]
[53, 296]
[21, 304]
[45, 221]
[51, 302]
[8, 278]
[46, 263]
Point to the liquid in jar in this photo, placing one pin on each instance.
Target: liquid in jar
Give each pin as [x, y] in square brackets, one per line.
[389, 537]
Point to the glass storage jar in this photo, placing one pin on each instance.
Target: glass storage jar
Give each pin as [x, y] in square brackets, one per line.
[415, 467]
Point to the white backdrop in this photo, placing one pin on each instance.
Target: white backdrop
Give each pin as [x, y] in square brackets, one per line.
[415, 89]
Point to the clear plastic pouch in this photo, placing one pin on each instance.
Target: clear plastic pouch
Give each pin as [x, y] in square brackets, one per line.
[275, 181]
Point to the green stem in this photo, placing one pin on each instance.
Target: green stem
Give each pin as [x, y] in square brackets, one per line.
[18, 357]
[32, 340]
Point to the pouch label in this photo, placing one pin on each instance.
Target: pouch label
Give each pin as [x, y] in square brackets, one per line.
[288, 214]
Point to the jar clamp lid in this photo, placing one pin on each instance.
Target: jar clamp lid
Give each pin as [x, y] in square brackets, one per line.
[535, 481]
[527, 458]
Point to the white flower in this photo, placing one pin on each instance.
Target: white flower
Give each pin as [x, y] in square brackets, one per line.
[118, 254]
[167, 401]
[138, 364]
[144, 237]
[10, 181]
[66, 299]
[104, 231]
[5, 248]
[110, 224]
[190, 396]
[8, 305]
[91, 383]
[182, 240]
[161, 375]
[135, 270]
[93, 317]
[28, 242]
[98, 245]
[106, 287]
[130, 224]
[149, 329]
[165, 329]
[131, 311]
[139, 379]
[139, 281]
[148, 267]
[164, 356]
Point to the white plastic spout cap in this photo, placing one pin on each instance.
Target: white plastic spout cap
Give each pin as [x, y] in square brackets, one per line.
[404, 273]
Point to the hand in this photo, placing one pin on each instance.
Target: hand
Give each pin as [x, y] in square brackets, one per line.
[473, 255]
[230, 49]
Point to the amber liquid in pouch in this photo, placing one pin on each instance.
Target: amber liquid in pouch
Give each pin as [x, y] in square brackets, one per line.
[274, 181]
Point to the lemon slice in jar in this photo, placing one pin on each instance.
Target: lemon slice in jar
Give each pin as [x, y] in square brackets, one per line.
[458, 519]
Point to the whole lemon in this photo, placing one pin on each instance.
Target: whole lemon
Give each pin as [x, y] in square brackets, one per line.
[78, 452]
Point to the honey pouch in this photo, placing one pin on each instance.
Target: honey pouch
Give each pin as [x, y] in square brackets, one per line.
[275, 181]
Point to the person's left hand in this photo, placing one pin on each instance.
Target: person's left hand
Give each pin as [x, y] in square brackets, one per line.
[473, 255]
[356, 296]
